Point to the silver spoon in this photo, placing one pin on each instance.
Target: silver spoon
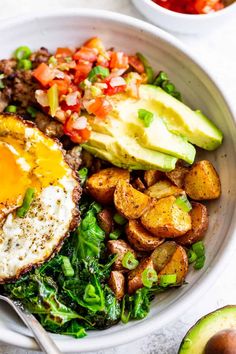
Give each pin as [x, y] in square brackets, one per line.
[41, 336]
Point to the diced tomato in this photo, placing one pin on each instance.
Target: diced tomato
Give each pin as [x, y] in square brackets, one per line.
[119, 60]
[95, 42]
[63, 52]
[75, 108]
[76, 135]
[100, 107]
[87, 54]
[103, 61]
[112, 90]
[136, 63]
[82, 70]
[205, 6]
[62, 85]
[43, 74]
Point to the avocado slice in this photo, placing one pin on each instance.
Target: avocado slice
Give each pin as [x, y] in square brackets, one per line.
[179, 118]
[198, 336]
[126, 152]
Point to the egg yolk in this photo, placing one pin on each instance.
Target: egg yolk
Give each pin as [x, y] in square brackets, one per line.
[14, 179]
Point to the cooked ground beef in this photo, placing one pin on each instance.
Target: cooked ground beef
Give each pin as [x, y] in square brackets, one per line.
[73, 157]
[41, 56]
[49, 126]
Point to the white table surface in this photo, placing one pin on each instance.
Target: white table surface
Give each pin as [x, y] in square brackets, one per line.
[217, 50]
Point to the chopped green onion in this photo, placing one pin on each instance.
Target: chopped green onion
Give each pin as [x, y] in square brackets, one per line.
[96, 207]
[90, 295]
[191, 256]
[199, 264]
[27, 201]
[22, 52]
[162, 80]
[129, 261]
[98, 71]
[145, 116]
[167, 279]
[24, 64]
[11, 109]
[148, 69]
[199, 248]
[119, 219]
[53, 99]
[183, 203]
[67, 267]
[114, 235]
[149, 276]
[168, 87]
[83, 174]
[52, 60]
[32, 111]
[161, 77]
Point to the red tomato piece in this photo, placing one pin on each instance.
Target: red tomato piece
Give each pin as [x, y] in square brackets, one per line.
[63, 52]
[75, 108]
[62, 85]
[78, 136]
[103, 61]
[119, 60]
[82, 70]
[95, 42]
[100, 107]
[136, 63]
[43, 74]
[87, 54]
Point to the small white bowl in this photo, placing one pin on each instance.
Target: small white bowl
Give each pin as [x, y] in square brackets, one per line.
[183, 23]
[72, 27]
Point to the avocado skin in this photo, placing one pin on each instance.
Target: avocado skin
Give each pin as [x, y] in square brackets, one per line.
[197, 337]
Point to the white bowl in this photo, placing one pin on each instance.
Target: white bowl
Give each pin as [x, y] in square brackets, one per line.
[72, 27]
[183, 23]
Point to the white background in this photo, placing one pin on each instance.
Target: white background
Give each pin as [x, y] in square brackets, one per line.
[217, 49]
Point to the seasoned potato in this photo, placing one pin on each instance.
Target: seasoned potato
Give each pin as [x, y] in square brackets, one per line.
[102, 184]
[152, 176]
[199, 218]
[165, 218]
[202, 181]
[177, 175]
[117, 284]
[119, 247]
[135, 276]
[138, 184]
[128, 201]
[170, 258]
[105, 220]
[162, 189]
[139, 238]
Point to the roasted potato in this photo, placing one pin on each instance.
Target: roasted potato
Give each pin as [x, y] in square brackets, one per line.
[119, 247]
[139, 238]
[101, 185]
[199, 218]
[138, 184]
[171, 258]
[202, 181]
[128, 201]
[105, 220]
[117, 284]
[135, 276]
[166, 219]
[163, 188]
[177, 175]
[152, 176]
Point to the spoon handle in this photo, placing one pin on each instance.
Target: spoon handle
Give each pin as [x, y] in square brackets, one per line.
[41, 336]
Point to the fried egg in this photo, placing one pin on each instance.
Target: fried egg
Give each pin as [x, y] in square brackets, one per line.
[30, 159]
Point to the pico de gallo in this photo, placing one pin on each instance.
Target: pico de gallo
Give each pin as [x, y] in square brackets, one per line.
[193, 7]
[79, 81]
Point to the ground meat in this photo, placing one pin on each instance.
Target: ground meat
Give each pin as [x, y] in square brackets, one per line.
[40, 56]
[49, 126]
[73, 157]
[7, 66]
[4, 100]
[23, 88]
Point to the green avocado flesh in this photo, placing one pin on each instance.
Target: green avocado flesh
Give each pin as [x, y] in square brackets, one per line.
[124, 140]
[197, 337]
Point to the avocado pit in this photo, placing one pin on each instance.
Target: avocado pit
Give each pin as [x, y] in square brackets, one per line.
[223, 342]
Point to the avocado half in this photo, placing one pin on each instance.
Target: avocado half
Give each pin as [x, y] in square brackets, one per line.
[197, 337]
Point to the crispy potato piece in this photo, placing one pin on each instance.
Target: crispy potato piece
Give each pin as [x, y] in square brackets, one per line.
[199, 218]
[170, 258]
[135, 276]
[140, 238]
[101, 185]
[152, 176]
[138, 184]
[105, 220]
[117, 284]
[119, 247]
[165, 218]
[128, 201]
[202, 181]
[177, 175]
[162, 189]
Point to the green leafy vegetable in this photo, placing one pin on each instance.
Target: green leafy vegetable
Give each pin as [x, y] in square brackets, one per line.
[27, 201]
[145, 116]
[115, 234]
[162, 80]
